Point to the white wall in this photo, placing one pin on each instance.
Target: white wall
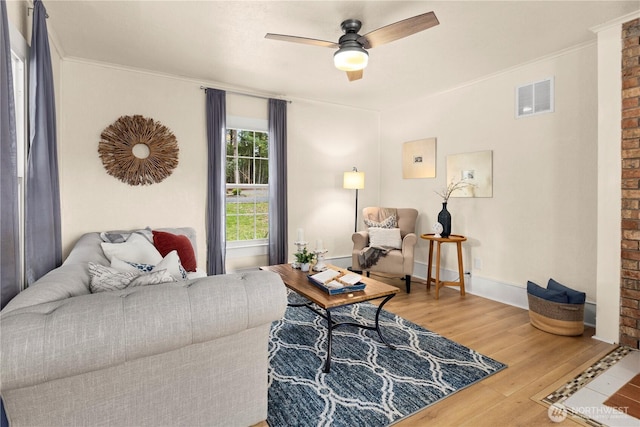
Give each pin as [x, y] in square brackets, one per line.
[93, 97]
[541, 220]
[609, 178]
[17, 15]
[323, 141]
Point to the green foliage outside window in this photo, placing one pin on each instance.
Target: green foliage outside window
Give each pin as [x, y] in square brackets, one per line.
[247, 177]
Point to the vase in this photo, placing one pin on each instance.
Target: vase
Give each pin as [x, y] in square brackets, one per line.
[305, 266]
[444, 218]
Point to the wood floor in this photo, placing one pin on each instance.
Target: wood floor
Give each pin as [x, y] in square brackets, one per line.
[538, 362]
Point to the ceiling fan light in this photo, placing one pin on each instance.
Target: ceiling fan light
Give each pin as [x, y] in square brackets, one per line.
[350, 58]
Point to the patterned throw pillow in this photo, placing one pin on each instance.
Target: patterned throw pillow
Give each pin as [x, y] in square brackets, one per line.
[104, 279]
[154, 278]
[390, 222]
[121, 236]
[145, 268]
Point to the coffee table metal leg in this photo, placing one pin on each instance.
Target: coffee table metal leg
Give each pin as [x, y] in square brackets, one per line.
[331, 326]
[327, 363]
[378, 330]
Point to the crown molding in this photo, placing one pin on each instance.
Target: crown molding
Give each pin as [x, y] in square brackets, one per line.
[616, 22]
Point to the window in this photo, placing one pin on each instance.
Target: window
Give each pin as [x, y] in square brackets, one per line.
[19, 71]
[247, 185]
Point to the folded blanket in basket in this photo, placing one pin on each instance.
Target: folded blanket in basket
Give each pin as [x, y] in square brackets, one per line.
[556, 292]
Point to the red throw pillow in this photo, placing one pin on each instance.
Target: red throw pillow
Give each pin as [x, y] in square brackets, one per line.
[167, 242]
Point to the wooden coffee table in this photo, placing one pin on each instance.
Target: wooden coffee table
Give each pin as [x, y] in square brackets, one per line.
[298, 282]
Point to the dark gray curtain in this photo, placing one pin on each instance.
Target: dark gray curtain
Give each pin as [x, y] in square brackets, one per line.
[9, 224]
[278, 235]
[216, 179]
[42, 238]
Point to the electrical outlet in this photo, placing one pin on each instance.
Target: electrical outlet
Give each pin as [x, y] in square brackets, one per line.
[477, 264]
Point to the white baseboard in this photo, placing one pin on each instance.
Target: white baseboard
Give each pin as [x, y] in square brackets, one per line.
[595, 337]
[505, 293]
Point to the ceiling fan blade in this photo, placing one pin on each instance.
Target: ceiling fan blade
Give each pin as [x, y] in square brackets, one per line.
[354, 75]
[303, 40]
[399, 30]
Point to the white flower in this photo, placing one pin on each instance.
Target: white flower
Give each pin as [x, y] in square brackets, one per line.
[453, 186]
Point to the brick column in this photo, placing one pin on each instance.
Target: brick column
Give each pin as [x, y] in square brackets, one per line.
[630, 250]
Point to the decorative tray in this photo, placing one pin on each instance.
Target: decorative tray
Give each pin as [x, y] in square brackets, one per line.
[335, 282]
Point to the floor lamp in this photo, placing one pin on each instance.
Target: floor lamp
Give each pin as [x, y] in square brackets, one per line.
[354, 180]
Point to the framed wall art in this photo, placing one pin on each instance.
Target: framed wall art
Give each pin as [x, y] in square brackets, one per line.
[419, 159]
[138, 150]
[475, 169]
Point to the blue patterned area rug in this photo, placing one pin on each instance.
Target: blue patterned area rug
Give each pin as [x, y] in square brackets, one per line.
[369, 383]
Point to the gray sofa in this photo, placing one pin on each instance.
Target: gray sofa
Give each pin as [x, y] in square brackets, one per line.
[189, 353]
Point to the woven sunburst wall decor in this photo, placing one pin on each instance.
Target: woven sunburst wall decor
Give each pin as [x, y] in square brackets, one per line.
[124, 156]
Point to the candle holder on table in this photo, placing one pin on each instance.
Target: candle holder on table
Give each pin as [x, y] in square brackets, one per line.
[320, 265]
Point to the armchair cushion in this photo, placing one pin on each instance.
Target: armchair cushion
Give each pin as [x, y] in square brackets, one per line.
[385, 237]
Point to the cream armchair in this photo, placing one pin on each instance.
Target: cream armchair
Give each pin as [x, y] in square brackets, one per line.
[397, 261]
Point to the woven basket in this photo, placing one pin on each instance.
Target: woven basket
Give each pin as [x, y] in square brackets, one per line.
[556, 318]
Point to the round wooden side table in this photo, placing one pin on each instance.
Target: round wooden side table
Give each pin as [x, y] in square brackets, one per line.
[454, 238]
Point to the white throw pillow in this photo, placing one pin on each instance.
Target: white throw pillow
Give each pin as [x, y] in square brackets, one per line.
[136, 249]
[171, 263]
[389, 237]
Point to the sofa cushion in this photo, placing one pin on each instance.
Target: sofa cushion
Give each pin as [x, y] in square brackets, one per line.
[105, 278]
[387, 237]
[547, 294]
[575, 297]
[136, 249]
[166, 242]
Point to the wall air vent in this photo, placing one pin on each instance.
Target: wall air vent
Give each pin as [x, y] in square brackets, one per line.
[535, 98]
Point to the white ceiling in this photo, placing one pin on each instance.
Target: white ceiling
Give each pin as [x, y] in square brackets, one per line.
[223, 41]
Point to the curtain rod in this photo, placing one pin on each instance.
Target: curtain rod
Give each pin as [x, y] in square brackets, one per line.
[247, 94]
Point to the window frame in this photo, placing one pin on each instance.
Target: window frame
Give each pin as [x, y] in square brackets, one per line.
[20, 53]
[255, 247]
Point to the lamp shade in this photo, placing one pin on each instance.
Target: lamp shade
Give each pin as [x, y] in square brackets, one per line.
[353, 180]
[351, 58]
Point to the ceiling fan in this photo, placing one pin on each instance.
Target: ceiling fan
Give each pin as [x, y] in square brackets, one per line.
[352, 55]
